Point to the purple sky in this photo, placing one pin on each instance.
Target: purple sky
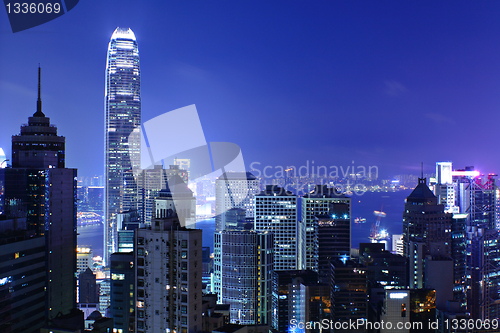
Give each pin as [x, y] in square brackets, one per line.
[385, 83]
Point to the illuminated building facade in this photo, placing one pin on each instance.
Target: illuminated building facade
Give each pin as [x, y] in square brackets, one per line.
[300, 299]
[409, 311]
[84, 259]
[475, 247]
[122, 132]
[276, 212]
[246, 279]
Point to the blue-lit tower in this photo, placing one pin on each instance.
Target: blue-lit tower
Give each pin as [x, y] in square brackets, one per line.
[122, 132]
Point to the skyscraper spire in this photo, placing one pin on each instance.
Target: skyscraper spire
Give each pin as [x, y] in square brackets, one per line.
[39, 112]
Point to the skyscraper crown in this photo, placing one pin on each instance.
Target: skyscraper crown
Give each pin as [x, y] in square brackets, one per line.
[123, 33]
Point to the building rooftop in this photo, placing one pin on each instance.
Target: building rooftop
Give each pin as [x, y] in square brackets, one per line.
[323, 191]
[237, 176]
[422, 190]
[123, 33]
[275, 190]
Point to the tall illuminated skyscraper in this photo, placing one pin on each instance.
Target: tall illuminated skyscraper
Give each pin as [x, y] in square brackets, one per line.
[122, 132]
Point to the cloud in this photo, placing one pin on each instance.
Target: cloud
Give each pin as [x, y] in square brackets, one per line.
[16, 89]
[394, 88]
[191, 72]
[440, 119]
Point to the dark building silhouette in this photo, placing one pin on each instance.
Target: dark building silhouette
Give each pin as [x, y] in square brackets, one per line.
[39, 188]
[325, 210]
[38, 145]
[87, 287]
[426, 232]
[383, 267]
[22, 280]
[350, 298]
[334, 237]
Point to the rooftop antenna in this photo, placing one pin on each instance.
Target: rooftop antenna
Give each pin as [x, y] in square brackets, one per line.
[422, 170]
[39, 112]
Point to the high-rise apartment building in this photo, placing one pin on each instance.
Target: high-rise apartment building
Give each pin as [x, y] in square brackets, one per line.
[276, 212]
[122, 132]
[168, 276]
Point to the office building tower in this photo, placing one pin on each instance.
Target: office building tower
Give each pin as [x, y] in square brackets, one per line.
[383, 267]
[334, 243]
[122, 132]
[22, 280]
[478, 197]
[474, 244]
[323, 201]
[39, 189]
[246, 266]
[169, 276]
[234, 202]
[38, 145]
[87, 287]
[350, 297]
[234, 190]
[122, 308]
[459, 256]
[444, 187]
[334, 236]
[482, 271]
[426, 232]
[276, 212]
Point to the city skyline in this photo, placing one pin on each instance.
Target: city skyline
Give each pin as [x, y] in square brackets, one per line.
[390, 88]
[376, 77]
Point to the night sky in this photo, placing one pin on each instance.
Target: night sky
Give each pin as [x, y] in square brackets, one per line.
[385, 83]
